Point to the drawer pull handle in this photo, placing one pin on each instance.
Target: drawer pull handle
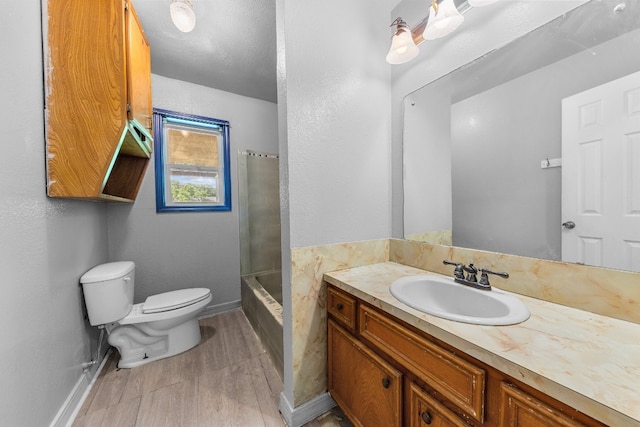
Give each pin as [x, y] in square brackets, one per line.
[386, 382]
[426, 417]
[339, 307]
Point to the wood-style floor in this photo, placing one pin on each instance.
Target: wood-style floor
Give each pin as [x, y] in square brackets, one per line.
[227, 380]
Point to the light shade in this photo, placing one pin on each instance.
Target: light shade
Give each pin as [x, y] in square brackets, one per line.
[443, 19]
[479, 3]
[403, 48]
[182, 15]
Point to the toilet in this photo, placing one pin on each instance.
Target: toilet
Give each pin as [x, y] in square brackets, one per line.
[164, 325]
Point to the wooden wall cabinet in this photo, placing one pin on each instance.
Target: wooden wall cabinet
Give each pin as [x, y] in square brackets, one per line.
[441, 386]
[98, 112]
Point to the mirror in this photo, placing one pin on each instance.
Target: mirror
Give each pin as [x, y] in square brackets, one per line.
[482, 146]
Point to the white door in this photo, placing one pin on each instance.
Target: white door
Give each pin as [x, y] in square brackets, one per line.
[601, 175]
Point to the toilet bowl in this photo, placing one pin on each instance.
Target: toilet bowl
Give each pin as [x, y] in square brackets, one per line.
[164, 325]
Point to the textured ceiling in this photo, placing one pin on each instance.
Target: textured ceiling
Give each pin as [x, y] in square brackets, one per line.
[232, 48]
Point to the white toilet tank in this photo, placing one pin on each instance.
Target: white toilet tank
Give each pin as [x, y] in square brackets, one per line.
[108, 291]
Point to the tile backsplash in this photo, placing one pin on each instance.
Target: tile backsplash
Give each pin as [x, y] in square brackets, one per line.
[308, 302]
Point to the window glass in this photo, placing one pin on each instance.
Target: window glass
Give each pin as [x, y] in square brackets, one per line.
[192, 163]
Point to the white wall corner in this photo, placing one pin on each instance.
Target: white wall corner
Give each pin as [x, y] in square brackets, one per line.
[296, 417]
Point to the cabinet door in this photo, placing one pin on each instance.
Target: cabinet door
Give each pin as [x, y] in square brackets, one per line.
[459, 381]
[96, 57]
[138, 72]
[424, 411]
[85, 93]
[368, 389]
[519, 409]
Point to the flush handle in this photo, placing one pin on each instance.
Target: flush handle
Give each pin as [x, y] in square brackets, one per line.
[569, 225]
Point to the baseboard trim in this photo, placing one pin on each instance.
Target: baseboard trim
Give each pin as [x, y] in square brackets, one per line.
[212, 310]
[296, 417]
[71, 406]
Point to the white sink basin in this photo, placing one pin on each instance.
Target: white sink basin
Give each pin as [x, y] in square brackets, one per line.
[442, 297]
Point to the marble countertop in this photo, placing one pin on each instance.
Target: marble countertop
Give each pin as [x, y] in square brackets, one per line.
[589, 361]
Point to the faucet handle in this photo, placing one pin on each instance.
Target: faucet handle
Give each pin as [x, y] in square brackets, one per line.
[484, 276]
[458, 272]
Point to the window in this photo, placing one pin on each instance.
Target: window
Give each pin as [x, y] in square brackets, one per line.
[192, 163]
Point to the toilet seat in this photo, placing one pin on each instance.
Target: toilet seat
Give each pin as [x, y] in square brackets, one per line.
[170, 307]
[173, 300]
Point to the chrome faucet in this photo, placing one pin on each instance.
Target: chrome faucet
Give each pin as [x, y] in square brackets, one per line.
[471, 278]
[473, 271]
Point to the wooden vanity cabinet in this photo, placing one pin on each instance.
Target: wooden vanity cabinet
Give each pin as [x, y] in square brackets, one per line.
[342, 306]
[98, 107]
[424, 409]
[367, 388]
[459, 381]
[441, 386]
[520, 409]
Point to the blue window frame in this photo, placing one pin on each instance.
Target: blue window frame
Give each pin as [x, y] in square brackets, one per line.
[192, 162]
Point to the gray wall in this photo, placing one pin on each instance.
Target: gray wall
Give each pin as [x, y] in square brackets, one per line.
[338, 121]
[46, 244]
[502, 200]
[427, 159]
[182, 250]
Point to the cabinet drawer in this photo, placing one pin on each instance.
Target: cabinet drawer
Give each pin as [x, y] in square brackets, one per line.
[521, 409]
[425, 410]
[342, 306]
[459, 381]
[367, 388]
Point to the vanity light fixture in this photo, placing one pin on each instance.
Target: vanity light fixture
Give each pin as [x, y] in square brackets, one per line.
[182, 15]
[403, 48]
[443, 19]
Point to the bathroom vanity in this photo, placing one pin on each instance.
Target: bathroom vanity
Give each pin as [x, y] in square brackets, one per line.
[391, 365]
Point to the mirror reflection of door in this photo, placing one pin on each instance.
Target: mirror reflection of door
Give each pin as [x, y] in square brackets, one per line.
[601, 175]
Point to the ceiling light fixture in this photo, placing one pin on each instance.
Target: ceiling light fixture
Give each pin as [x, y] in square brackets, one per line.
[403, 48]
[443, 19]
[182, 15]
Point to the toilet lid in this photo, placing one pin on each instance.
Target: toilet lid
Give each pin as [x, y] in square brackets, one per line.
[174, 300]
[108, 271]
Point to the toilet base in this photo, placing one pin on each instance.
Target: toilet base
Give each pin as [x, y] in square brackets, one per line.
[140, 344]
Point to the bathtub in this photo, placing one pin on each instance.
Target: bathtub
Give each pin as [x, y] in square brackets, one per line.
[261, 297]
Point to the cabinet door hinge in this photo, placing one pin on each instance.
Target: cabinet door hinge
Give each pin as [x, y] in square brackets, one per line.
[128, 108]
